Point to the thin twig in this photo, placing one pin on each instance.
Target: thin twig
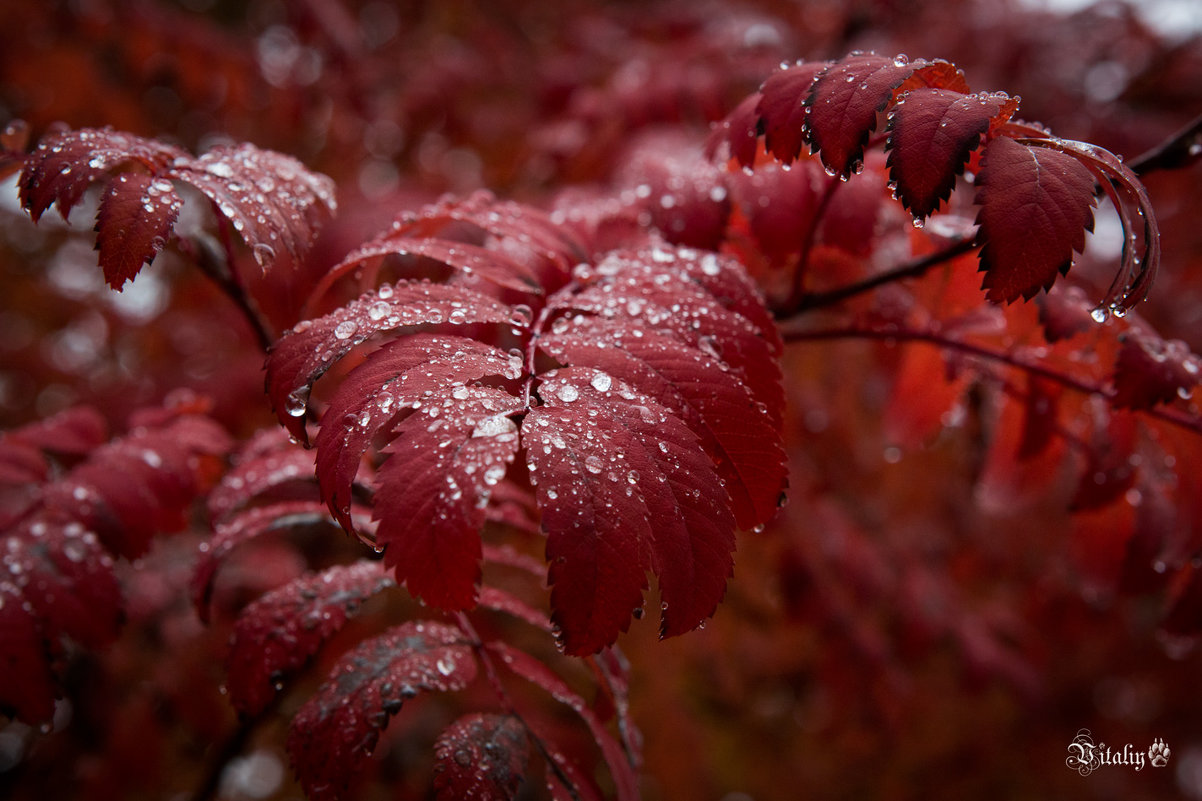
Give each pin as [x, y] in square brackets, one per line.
[911, 269]
[797, 291]
[1181, 149]
[218, 268]
[1175, 417]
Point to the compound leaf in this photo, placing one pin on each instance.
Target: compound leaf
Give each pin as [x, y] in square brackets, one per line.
[336, 730]
[278, 633]
[932, 133]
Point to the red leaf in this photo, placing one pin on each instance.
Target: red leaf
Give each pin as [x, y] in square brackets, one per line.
[505, 220]
[60, 570]
[142, 484]
[245, 526]
[782, 108]
[65, 165]
[735, 429]
[75, 431]
[434, 486]
[1036, 205]
[137, 214]
[844, 101]
[26, 683]
[843, 104]
[739, 132]
[335, 732]
[1151, 371]
[304, 354]
[623, 487]
[526, 251]
[278, 634]
[134, 487]
[1065, 312]
[1108, 471]
[468, 259]
[534, 671]
[267, 467]
[932, 133]
[779, 206]
[643, 291]
[681, 191]
[481, 757]
[419, 369]
[273, 201]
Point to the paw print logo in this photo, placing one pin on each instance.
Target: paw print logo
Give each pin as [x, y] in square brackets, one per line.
[1159, 753]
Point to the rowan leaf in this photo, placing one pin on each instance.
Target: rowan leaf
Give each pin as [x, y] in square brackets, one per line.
[274, 202]
[468, 259]
[279, 633]
[626, 285]
[734, 428]
[335, 732]
[304, 354]
[739, 132]
[932, 133]
[137, 214]
[532, 670]
[432, 490]
[27, 688]
[243, 527]
[844, 100]
[64, 165]
[76, 431]
[405, 373]
[624, 487]
[1036, 205]
[1150, 371]
[481, 757]
[782, 108]
[139, 485]
[60, 570]
[268, 467]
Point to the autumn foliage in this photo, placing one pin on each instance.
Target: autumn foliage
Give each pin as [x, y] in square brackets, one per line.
[451, 378]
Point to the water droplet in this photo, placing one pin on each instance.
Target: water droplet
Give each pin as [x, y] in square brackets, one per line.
[346, 329]
[567, 393]
[593, 464]
[264, 254]
[1099, 315]
[601, 382]
[296, 403]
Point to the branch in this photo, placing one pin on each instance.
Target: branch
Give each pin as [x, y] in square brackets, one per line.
[911, 269]
[1169, 415]
[1180, 150]
[217, 266]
